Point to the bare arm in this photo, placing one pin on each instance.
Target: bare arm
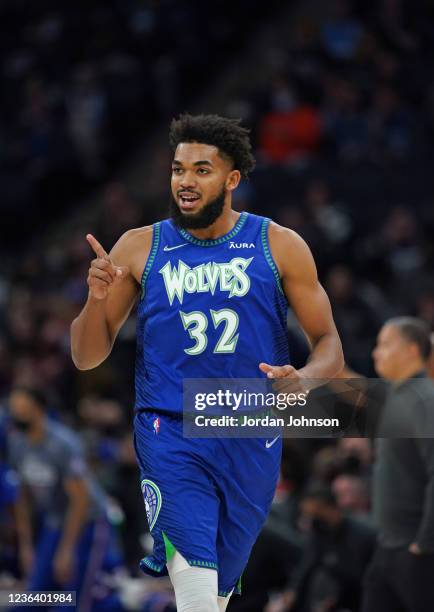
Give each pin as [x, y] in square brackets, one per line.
[76, 515]
[24, 529]
[114, 285]
[309, 302]
[22, 517]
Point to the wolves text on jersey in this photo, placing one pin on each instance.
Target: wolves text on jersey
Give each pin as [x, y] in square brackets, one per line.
[230, 276]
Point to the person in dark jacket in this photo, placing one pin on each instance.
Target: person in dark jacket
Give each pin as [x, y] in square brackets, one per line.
[400, 577]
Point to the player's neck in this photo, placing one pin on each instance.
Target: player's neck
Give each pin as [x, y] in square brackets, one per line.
[224, 224]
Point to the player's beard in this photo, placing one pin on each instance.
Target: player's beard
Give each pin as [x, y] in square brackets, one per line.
[202, 219]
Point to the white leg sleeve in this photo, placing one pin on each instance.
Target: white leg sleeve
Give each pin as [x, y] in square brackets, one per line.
[223, 602]
[195, 587]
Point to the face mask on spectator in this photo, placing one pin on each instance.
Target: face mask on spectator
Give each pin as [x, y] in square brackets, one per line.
[21, 425]
[319, 525]
[352, 464]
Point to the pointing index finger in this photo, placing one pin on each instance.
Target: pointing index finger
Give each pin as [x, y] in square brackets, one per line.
[97, 247]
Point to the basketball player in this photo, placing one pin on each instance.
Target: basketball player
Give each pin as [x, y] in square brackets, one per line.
[213, 288]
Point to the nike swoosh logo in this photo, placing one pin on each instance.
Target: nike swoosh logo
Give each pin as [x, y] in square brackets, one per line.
[178, 246]
[270, 444]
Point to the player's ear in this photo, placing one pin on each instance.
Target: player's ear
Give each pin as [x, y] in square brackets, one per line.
[233, 180]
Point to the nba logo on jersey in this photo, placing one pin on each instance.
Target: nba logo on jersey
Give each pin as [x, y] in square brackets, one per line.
[156, 425]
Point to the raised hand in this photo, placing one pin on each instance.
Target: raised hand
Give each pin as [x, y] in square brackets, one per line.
[103, 274]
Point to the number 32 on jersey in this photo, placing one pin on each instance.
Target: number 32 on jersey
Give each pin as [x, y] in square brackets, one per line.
[196, 323]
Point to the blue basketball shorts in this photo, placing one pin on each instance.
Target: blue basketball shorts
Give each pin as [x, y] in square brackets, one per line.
[205, 498]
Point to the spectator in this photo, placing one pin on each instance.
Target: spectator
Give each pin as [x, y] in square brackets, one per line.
[342, 34]
[356, 455]
[332, 220]
[352, 494]
[120, 211]
[86, 120]
[346, 124]
[292, 131]
[354, 317]
[8, 497]
[334, 559]
[391, 126]
[63, 533]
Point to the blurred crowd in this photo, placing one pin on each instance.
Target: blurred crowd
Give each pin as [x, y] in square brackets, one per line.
[319, 536]
[343, 132]
[81, 87]
[343, 127]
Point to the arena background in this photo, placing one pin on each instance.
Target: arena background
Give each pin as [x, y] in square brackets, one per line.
[339, 97]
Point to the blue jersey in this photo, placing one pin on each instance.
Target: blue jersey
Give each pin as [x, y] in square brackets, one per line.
[209, 308]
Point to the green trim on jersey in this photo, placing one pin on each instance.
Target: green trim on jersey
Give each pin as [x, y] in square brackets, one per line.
[236, 590]
[207, 564]
[267, 253]
[208, 243]
[152, 255]
[153, 566]
[170, 549]
[192, 562]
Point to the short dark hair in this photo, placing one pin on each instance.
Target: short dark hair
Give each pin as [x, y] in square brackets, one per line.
[414, 331]
[231, 139]
[36, 394]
